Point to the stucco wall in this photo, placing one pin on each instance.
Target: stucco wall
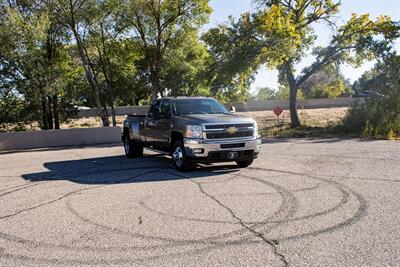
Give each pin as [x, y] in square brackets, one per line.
[249, 106]
[306, 104]
[59, 138]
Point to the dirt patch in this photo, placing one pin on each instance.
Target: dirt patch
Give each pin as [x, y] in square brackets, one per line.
[314, 118]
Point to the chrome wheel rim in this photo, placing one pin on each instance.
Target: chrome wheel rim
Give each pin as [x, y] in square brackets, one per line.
[178, 156]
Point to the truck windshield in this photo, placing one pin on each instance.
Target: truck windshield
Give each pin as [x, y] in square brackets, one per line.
[198, 106]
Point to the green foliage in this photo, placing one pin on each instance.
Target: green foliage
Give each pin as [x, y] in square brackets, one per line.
[379, 116]
[369, 81]
[328, 82]
[125, 52]
[280, 34]
[40, 55]
[234, 58]
[284, 93]
[265, 93]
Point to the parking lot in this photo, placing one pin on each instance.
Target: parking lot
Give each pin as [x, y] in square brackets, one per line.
[303, 202]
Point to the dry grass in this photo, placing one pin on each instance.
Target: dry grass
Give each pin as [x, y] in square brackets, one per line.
[322, 117]
[313, 120]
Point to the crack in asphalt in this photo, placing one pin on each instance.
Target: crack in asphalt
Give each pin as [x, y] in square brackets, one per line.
[46, 203]
[254, 232]
[72, 193]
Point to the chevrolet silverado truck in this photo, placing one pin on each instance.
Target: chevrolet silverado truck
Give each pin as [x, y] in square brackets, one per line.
[192, 130]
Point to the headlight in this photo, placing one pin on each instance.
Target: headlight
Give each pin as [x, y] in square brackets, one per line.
[194, 131]
[256, 129]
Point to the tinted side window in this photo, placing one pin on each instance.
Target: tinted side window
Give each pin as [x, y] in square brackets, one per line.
[154, 109]
[165, 108]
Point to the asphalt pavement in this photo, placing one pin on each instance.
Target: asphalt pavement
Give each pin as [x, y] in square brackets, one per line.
[303, 202]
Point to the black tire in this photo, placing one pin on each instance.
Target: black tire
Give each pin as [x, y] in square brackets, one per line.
[179, 156]
[132, 148]
[244, 164]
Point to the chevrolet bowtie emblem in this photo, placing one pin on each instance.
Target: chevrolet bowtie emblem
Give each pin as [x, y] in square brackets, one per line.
[232, 130]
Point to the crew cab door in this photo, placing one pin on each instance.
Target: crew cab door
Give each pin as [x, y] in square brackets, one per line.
[163, 125]
[150, 128]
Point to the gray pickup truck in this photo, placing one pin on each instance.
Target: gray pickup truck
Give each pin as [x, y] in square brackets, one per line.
[192, 130]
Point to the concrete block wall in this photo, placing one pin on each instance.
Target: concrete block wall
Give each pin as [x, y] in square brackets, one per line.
[118, 111]
[59, 138]
[305, 103]
[249, 106]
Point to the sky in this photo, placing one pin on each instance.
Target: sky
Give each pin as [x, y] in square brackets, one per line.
[224, 8]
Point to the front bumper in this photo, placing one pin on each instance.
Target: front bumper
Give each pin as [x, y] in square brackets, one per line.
[203, 149]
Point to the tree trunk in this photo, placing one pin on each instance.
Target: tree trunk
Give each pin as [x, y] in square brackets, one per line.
[111, 95]
[92, 81]
[50, 113]
[155, 80]
[55, 112]
[87, 67]
[45, 112]
[294, 117]
[106, 65]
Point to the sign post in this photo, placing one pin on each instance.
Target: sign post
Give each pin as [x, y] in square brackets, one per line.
[278, 111]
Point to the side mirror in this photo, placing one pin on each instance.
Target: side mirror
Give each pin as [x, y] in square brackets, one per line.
[233, 109]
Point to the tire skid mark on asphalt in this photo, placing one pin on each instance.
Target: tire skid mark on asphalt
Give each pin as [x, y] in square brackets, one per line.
[279, 190]
[360, 212]
[127, 260]
[354, 218]
[23, 241]
[46, 203]
[343, 200]
[323, 175]
[19, 188]
[244, 225]
[318, 186]
[67, 195]
[169, 240]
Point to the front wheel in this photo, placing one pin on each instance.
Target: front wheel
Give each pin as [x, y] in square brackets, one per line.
[132, 148]
[244, 164]
[179, 156]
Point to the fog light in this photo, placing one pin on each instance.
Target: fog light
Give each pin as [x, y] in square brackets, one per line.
[198, 150]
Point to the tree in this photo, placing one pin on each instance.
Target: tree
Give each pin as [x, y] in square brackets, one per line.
[379, 116]
[327, 82]
[234, 57]
[282, 34]
[157, 24]
[265, 93]
[30, 43]
[185, 67]
[77, 17]
[368, 81]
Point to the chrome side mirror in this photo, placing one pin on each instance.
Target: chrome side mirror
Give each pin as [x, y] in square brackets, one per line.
[233, 109]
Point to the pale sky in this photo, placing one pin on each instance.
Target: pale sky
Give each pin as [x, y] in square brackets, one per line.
[224, 8]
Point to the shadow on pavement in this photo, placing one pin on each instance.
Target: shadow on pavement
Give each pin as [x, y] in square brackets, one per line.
[119, 169]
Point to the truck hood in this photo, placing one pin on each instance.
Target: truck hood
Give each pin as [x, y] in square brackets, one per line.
[215, 118]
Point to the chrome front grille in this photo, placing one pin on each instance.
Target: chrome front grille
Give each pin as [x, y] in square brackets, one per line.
[226, 126]
[226, 131]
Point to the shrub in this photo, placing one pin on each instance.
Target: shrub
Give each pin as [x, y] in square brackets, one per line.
[379, 116]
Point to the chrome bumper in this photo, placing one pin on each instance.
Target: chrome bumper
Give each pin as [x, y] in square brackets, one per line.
[192, 146]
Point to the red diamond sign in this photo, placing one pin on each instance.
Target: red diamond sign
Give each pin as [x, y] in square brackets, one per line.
[278, 111]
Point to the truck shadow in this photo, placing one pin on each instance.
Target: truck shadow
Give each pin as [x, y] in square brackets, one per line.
[119, 169]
